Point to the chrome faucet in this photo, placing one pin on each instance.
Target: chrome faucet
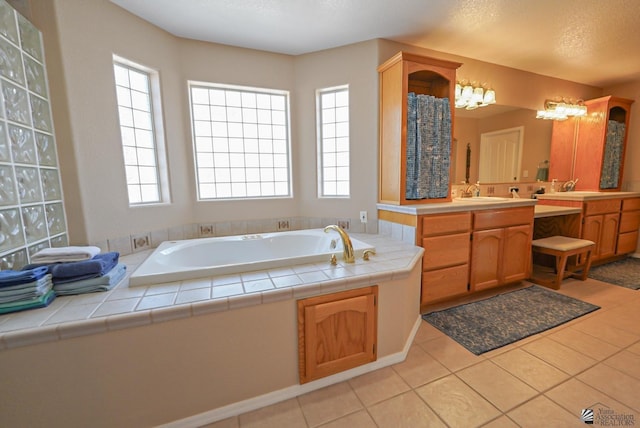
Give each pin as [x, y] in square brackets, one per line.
[346, 242]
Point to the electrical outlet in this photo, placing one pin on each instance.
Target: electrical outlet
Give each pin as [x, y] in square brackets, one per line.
[283, 225]
[363, 216]
[343, 224]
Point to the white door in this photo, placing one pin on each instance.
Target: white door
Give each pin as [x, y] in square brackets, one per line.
[501, 155]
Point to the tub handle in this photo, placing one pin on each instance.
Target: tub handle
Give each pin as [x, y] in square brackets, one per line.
[366, 253]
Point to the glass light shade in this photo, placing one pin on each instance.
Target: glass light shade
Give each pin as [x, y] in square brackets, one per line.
[458, 91]
[478, 95]
[489, 97]
[467, 93]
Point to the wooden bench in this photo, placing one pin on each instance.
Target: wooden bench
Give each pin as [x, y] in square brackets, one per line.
[563, 247]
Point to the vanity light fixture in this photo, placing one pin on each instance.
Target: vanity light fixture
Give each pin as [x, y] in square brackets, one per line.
[471, 96]
[561, 110]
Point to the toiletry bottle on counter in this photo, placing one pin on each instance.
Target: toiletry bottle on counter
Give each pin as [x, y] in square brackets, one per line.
[553, 185]
[477, 189]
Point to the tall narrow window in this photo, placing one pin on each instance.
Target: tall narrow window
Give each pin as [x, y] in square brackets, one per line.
[241, 141]
[137, 90]
[333, 141]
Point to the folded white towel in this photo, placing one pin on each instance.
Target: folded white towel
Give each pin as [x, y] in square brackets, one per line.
[65, 254]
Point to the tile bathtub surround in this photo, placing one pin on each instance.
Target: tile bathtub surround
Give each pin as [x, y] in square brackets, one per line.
[126, 245]
[124, 307]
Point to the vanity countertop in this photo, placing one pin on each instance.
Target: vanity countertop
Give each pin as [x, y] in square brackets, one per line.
[459, 205]
[586, 195]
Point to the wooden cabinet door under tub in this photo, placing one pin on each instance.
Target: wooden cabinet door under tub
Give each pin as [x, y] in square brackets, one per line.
[337, 332]
[501, 247]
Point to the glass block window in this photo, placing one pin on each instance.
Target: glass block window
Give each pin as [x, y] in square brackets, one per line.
[140, 131]
[333, 141]
[241, 141]
[32, 215]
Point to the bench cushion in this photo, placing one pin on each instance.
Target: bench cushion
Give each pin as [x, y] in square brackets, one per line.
[561, 243]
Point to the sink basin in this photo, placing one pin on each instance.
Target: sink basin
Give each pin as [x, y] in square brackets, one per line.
[483, 199]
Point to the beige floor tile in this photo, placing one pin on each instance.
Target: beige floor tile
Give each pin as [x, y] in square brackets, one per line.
[542, 412]
[284, 414]
[420, 367]
[617, 385]
[530, 369]
[450, 353]
[360, 419]
[405, 411]
[456, 403]
[626, 362]
[635, 348]
[426, 332]
[501, 388]
[584, 343]
[559, 356]
[575, 395]
[329, 403]
[501, 422]
[378, 385]
[603, 328]
[225, 423]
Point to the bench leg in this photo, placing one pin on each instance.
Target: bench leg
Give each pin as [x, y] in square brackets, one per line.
[561, 264]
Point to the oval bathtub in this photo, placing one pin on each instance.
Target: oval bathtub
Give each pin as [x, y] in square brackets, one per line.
[196, 258]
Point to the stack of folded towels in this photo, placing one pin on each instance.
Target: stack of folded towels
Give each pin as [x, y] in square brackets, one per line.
[77, 270]
[25, 289]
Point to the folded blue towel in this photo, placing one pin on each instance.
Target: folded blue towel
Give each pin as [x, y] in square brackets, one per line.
[99, 265]
[12, 277]
[35, 289]
[101, 283]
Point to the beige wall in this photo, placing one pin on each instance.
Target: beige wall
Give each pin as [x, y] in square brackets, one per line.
[80, 38]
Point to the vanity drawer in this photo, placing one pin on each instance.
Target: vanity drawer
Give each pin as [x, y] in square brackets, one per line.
[492, 219]
[444, 224]
[629, 221]
[631, 204]
[602, 207]
[447, 250]
[444, 283]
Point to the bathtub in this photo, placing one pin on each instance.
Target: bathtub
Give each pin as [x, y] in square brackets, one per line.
[197, 258]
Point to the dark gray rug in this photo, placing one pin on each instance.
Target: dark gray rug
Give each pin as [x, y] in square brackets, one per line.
[625, 272]
[506, 318]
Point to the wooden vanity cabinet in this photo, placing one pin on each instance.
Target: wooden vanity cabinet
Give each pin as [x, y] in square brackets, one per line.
[337, 332]
[600, 225]
[501, 247]
[401, 74]
[629, 225]
[445, 263]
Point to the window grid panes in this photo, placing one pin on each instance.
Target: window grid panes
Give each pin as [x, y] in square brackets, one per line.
[133, 89]
[333, 141]
[241, 141]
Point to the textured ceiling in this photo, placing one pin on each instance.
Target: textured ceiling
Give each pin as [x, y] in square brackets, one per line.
[594, 42]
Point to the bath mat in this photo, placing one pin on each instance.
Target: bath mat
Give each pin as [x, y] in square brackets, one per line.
[506, 318]
[625, 273]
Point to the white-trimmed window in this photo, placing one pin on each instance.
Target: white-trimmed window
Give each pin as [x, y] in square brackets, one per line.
[141, 130]
[333, 141]
[241, 141]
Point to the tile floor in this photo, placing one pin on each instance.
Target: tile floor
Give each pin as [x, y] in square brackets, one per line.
[542, 381]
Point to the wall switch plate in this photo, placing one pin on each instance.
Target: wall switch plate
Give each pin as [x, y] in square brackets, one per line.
[363, 216]
[283, 225]
[140, 242]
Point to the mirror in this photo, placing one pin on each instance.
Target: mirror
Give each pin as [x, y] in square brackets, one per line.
[469, 125]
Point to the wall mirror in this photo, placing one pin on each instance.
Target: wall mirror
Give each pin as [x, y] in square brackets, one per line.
[469, 125]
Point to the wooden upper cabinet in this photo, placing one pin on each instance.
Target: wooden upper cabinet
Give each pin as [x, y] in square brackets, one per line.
[563, 137]
[400, 75]
[601, 143]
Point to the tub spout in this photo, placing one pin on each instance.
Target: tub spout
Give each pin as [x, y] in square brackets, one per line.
[346, 242]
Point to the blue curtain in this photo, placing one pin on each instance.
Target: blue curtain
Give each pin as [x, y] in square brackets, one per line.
[612, 155]
[428, 147]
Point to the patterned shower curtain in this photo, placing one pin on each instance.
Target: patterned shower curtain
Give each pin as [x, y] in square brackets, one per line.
[612, 155]
[428, 147]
